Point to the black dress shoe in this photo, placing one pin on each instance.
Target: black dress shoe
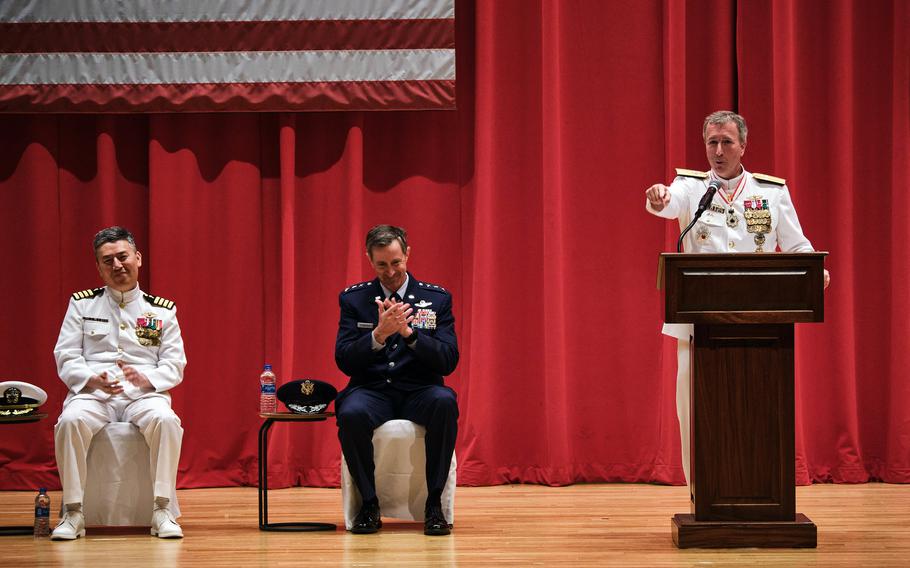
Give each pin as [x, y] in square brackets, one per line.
[435, 523]
[367, 520]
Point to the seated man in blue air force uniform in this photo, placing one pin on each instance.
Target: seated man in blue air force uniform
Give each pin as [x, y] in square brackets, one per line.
[396, 342]
[119, 353]
[749, 213]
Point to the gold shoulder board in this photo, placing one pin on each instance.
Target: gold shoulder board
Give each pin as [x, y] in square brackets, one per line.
[770, 179]
[90, 293]
[159, 301]
[691, 173]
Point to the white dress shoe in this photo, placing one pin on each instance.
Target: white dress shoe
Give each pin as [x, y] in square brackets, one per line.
[70, 527]
[164, 525]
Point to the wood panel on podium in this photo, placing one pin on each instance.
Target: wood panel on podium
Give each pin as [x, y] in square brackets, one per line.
[744, 307]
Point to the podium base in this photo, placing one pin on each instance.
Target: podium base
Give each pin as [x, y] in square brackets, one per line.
[689, 533]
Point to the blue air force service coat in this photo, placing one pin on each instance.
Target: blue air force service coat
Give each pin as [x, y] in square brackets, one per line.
[433, 355]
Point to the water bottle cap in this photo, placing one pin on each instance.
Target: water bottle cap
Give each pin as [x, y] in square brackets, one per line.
[268, 367]
[42, 490]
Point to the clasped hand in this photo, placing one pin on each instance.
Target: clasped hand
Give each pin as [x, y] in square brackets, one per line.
[394, 317]
[102, 383]
[112, 386]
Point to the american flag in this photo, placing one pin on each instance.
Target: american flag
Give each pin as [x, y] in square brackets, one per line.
[226, 55]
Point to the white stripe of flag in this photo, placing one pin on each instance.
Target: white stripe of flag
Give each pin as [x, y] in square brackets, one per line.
[20, 11]
[232, 67]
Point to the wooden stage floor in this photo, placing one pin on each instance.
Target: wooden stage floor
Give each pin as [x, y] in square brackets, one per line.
[511, 525]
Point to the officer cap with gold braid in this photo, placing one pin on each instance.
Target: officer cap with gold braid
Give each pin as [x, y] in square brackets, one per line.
[90, 293]
[159, 301]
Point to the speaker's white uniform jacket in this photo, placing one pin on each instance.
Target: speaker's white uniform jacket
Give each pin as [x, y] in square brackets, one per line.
[711, 232]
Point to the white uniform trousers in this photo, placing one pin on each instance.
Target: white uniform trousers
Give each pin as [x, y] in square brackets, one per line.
[682, 400]
[81, 419]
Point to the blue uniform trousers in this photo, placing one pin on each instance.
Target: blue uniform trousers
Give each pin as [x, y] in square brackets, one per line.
[361, 410]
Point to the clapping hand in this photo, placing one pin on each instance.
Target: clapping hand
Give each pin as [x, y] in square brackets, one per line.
[394, 317]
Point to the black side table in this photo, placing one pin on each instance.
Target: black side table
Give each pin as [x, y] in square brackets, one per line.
[19, 530]
[264, 524]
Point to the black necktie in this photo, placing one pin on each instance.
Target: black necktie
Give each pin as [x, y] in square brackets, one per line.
[395, 297]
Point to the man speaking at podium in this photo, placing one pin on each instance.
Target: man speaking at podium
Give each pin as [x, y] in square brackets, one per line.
[748, 213]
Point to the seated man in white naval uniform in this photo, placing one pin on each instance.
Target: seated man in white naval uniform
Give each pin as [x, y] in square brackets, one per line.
[749, 213]
[119, 353]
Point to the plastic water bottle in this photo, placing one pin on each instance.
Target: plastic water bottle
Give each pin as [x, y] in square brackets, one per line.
[268, 403]
[42, 514]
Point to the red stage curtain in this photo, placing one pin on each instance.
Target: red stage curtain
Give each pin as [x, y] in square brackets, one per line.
[527, 203]
[827, 89]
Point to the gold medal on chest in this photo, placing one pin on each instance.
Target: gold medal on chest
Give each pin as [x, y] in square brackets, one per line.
[758, 219]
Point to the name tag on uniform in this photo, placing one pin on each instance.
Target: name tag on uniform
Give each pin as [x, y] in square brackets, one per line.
[365, 325]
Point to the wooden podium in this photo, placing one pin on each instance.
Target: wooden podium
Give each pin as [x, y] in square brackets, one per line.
[742, 404]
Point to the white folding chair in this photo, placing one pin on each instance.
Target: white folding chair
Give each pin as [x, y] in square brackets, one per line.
[399, 455]
[118, 489]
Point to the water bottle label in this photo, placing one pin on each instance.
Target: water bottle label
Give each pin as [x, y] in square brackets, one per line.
[42, 512]
[268, 389]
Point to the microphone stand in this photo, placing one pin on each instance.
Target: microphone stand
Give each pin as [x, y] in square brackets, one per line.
[702, 206]
[687, 229]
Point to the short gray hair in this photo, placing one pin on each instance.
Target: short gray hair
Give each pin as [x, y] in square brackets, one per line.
[112, 235]
[384, 235]
[722, 117]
